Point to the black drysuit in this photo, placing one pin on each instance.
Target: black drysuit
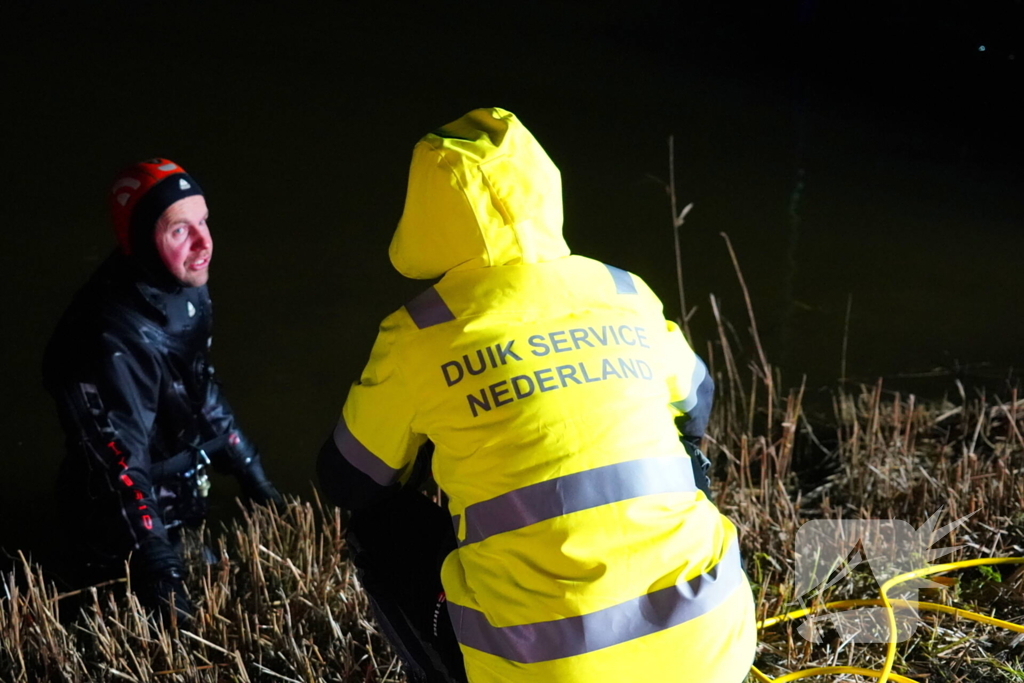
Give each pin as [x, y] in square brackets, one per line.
[142, 413]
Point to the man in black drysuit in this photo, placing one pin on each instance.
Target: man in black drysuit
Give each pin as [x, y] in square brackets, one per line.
[141, 409]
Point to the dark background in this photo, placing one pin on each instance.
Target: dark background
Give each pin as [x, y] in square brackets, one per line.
[849, 149]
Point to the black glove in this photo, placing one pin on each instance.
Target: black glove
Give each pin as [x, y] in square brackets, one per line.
[158, 578]
[256, 486]
[170, 596]
[701, 465]
[243, 458]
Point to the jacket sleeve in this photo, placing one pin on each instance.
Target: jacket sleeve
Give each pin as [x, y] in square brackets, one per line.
[231, 452]
[343, 484]
[373, 446]
[691, 388]
[108, 413]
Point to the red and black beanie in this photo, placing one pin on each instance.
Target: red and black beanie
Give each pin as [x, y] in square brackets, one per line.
[140, 194]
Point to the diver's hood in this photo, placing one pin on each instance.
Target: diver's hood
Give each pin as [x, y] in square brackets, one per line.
[482, 192]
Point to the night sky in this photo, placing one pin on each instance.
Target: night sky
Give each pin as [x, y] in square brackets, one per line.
[864, 152]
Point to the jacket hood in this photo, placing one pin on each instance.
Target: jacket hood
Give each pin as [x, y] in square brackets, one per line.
[482, 192]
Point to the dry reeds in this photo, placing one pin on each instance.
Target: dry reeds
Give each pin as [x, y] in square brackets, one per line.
[280, 604]
[882, 455]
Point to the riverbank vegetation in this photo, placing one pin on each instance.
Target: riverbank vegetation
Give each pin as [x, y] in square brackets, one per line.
[282, 603]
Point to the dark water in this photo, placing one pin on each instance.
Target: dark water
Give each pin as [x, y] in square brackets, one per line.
[862, 157]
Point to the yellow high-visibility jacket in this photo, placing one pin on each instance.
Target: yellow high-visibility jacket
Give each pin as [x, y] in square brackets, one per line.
[549, 384]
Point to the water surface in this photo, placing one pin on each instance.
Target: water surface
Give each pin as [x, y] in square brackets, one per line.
[838, 183]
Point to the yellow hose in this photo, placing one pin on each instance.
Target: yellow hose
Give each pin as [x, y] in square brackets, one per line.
[830, 670]
[885, 674]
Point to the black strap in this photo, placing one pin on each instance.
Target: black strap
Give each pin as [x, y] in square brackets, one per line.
[174, 465]
[186, 460]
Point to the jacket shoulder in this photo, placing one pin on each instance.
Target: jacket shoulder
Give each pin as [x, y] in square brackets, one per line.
[617, 281]
[100, 321]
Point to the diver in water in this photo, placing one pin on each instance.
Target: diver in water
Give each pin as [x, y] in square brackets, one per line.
[142, 411]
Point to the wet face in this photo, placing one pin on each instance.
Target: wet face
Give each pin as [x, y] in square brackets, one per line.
[183, 240]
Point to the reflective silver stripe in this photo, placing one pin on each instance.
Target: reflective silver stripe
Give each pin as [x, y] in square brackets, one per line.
[700, 371]
[126, 182]
[623, 280]
[429, 309]
[572, 636]
[575, 492]
[361, 457]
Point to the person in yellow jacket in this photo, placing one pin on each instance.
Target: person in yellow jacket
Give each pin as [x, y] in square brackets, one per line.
[579, 546]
